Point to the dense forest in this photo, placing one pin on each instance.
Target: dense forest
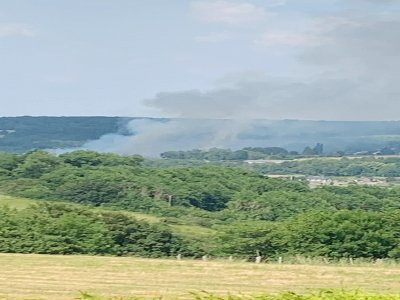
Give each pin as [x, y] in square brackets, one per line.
[216, 154]
[263, 138]
[247, 153]
[380, 166]
[347, 166]
[21, 134]
[227, 210]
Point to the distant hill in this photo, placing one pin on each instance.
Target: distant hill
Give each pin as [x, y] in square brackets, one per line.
[347, 136]
[20, 134]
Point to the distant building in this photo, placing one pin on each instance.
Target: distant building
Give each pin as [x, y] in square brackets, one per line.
[370, 181]
[319, 180]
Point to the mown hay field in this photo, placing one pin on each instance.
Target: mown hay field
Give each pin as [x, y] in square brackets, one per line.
[29, 276]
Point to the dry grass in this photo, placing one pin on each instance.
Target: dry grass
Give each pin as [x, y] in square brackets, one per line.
[27, 276]
[15, 202]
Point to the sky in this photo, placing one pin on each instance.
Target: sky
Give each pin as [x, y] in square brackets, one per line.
[236, 59]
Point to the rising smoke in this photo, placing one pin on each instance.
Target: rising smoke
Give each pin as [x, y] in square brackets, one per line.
[359, 59]
[150, 137]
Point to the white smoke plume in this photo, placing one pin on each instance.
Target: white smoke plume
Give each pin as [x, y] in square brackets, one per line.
[150, 137]
[358, 56]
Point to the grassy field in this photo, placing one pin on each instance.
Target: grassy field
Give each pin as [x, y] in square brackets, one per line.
[15, 202]
[21, 203]
[28, 276]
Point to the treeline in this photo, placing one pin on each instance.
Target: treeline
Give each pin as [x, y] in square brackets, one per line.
[244, 210]
[21, 134]
[330, 234]
[217, 154]
[63, 229]
[248, 153]
[368, 166]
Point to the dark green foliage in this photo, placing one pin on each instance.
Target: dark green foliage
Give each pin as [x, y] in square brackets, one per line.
[331, 234]
[213, 154]
[139, 238]
[92, 188]
[62, 229]
[268, 150]
[22, 134]
[344, 234]
[216, 154]
[36, 164]
[246, 211]
[246, 238]
[83, 158]
[277, 205]
[52, 230]
[368, 166]
[9, 161]
[248, 153]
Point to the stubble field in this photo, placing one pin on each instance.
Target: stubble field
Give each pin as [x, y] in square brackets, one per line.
[28, 276]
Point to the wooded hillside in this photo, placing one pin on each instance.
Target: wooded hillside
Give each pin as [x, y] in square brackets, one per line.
[20, 134]
[226, 211]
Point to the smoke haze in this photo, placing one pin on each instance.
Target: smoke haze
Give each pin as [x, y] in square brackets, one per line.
[354, 58]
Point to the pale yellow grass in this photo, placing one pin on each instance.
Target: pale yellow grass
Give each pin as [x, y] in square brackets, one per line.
[15, 202]
[28, 276]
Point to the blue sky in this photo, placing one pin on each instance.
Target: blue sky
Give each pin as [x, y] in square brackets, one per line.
[274, 59]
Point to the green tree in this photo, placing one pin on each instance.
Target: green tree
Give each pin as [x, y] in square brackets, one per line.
[37, 163]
